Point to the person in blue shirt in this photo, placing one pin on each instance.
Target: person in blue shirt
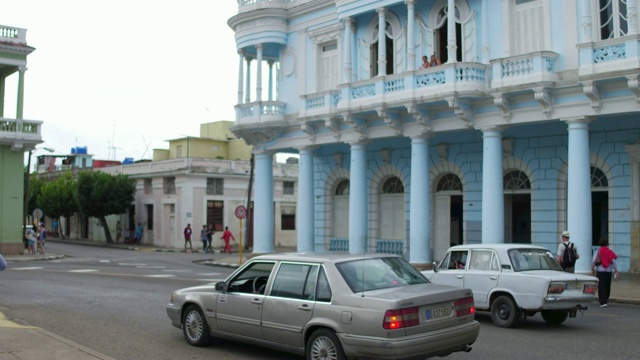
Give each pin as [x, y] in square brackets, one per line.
[3, 263]
[138, 239]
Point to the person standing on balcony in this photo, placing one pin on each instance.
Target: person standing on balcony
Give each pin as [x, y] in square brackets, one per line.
[425, 62]
[434, 61]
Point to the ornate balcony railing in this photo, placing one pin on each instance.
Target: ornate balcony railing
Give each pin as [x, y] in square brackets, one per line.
[617, 55]
[319, 103]
[244, 4]
[533, 68]
[260, 112]
[13, 35]
[19, 132]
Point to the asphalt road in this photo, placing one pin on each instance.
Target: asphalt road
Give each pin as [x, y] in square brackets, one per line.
[113, 301]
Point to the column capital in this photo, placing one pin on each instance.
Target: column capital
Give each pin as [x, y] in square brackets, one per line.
[22, 68]
[491, 128]
[307, 149]
[381, 11]
[577, 120]
[420, 138]
[259, 46]
[410, 2]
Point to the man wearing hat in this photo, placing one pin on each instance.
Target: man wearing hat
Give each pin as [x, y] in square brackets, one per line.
[567, 260]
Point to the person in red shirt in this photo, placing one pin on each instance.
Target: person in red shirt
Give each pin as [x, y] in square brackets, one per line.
[226, 236]
[187, 238]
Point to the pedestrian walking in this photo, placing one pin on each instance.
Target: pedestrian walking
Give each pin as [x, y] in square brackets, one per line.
[603, 265]
[226, 236]
[3, 263]
[55, 225]
[567, 253]
[42, 238]
[203, 238]
[210, 233]
[187, 238]
[31, 239]
[139, 232]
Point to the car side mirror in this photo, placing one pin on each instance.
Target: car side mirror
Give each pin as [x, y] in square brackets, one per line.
[435, 266]
[220, 286]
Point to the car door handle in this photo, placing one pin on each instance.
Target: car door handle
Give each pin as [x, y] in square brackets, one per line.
[493, 277]
[304, 307]
[256, 301]
[459, 276]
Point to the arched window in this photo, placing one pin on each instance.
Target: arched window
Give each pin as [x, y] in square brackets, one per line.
[342, 188]
[392, 185]
[516, 180]
[598, 178]
[449, 182]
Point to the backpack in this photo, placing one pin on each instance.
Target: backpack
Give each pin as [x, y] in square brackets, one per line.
[568, 256]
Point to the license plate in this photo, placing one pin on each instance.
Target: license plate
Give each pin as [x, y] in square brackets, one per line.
[437, 313]
[572, 286]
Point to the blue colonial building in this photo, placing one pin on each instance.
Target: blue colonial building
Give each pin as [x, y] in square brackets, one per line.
[526, 124]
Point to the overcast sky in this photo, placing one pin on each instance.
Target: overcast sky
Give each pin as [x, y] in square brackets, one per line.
[128, 74]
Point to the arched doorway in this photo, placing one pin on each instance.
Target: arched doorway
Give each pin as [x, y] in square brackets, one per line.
[517, 207]
[341, 210]
[599, 205]
[448, 212]
[392, 210]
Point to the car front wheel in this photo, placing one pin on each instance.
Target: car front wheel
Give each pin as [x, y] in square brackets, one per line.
[324, 345]
[554, 317]
[504, 312]
[194, 327]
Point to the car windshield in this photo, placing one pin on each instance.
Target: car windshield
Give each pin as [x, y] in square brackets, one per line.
[379, 273]
[533, 259]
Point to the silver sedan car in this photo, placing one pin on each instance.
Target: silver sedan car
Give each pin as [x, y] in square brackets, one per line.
[328, 306]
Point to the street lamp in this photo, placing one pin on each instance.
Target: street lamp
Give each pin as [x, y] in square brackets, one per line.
[27, 178]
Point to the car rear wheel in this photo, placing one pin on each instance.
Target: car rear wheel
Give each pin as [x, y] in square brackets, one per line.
[554, 317]
[504, 312]
[324, 345]
[194, 327]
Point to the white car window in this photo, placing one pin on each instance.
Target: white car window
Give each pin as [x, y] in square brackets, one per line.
[480, 260]
[533, 259]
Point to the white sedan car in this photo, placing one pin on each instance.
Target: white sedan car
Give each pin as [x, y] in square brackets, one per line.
[514, 281]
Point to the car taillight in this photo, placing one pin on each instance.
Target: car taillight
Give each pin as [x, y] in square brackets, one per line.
[401, 318]
[590, 288]
[556, 288]
[465, 306]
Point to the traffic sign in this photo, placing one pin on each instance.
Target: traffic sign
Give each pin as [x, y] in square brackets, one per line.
[37, 214]
[241, 212]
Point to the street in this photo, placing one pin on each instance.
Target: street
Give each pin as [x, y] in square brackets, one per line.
[112, 301]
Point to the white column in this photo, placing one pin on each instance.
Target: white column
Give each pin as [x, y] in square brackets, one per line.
[270, 62]
[486, 55]
[419, 211]
[263, 220]
[579, 191]
[348, 36]
[632, 17]
[411, 41]
[259, 73]
[305, 208]
[240, 76]
[587, 23]
[492, 188]
[358, 204]
[451, 31]
[382, 43]
[20, 100]
[247, 97]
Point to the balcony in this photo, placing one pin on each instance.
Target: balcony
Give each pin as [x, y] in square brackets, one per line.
[538, 69]
[250, 5]
[607, 58]
[429, 85]
[259, 121]
[21, 135]
[13, 35]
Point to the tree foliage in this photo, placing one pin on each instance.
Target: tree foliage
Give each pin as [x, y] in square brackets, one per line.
[35, 187]
[58, 197]
[101, 194]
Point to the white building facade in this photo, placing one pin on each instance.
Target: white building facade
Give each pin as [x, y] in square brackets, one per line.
[530, 125]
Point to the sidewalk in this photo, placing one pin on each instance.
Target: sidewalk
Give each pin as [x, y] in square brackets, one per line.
[16, 341]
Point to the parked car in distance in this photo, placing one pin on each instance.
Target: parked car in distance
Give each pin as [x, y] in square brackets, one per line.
[514, 281]
[329, 306]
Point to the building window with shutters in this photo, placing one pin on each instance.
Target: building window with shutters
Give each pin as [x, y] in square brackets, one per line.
[169, 185]
[215, 215]
[287, 187]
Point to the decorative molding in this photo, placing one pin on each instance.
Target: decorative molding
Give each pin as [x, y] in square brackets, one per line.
[634, 85]
[503, 103]
[358, 125]
[393, 120]
[289, 62]
[385, 154]
[462, 109]
[543, 97]
[507, 147]
[422, 116]
[334, 125]
[256, 137]
[326, 34]
[308, 128]
[443, 151]
[592, 91]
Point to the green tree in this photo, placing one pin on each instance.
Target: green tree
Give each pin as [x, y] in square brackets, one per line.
[58, 197]
[35, 187]
[101, 194]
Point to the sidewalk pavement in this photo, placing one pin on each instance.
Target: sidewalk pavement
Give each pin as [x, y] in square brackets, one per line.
[16, 341]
